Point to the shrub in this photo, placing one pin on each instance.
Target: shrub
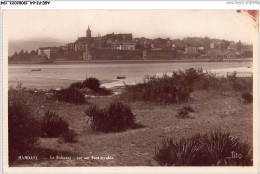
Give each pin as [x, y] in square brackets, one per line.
[71, 95]
[247, 97]
[120, 116]
[177, 88]
[182, 153]
[166, 89]
[53, 125]
[217, 146]
[98, 117]
[76, 85]
[214, 148]
[92, 83]
[117, 117]
[188, 108]
[23, 127]
[182, 113]
[104, 91]
[69, 136]
[233, 81]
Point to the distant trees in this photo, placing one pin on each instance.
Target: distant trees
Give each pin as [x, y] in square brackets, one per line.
[22, 55]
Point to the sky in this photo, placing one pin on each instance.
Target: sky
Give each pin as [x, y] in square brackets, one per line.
[68, 25]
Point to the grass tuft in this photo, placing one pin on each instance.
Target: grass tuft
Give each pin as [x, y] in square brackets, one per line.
[53, 125]
[117, 117]
[216, 148]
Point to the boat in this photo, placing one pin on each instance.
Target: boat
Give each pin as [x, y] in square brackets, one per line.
[36, 69]
[120, 77]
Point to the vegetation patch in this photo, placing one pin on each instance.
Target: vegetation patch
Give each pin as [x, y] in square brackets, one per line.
[53, 125]
[23, 126]
[215, 148]
[93, 84]
[188, 108]
[69, 136]
[182, 113]
[247, 97]
[177, 87]
[70, 95]
[117, 117]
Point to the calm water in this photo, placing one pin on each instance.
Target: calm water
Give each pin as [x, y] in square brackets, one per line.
[57, 76]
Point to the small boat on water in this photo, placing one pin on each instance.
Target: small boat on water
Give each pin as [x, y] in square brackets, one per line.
[36, 69]
[120, 77]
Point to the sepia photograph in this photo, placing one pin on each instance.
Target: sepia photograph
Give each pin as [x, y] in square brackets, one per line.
[127, 88]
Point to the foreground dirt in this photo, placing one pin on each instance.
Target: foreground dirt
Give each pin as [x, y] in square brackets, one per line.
[136, 147]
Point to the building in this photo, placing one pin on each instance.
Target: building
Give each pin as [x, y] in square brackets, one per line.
[191, 50]
[48, 51]
[157, 54]
[71, 46]
[128, 45]
[247, 48]
[225, 54]
[64, 48]
[98, 42]
[160, 43]
[181, 47]
[83, 42]
[232, 46]
[112, 39]
[87, 55]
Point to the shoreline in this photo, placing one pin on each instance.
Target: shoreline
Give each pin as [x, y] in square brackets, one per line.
[57, 62]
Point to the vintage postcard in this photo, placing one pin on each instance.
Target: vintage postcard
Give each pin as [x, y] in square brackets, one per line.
[130, 90]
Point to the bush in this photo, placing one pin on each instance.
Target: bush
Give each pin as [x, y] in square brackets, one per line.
[166, 89]
[71, 95]
[217, 146]
[53, 125]
[92, 83]
[214, 148]
[69, 136]
[117, 117]
[98, 117]
[23, 127]
[247, 97]
[182, 113]
[182, 153]
[120, 114]
[177, 88]
[76, 85]
[188, 108]
[233, 81]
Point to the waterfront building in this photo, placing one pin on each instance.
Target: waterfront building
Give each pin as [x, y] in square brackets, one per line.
[47, 51]
[158, 54]
[191, 50]
[224, 54]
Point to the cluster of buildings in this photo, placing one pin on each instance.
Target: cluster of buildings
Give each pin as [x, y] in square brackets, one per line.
[125, 47]
[230, 50]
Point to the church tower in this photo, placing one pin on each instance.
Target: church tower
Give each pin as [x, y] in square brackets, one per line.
[88, 33]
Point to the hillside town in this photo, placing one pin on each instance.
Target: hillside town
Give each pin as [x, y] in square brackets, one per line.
[124, 47]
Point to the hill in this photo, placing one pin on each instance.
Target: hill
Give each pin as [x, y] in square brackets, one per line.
[29, 45]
